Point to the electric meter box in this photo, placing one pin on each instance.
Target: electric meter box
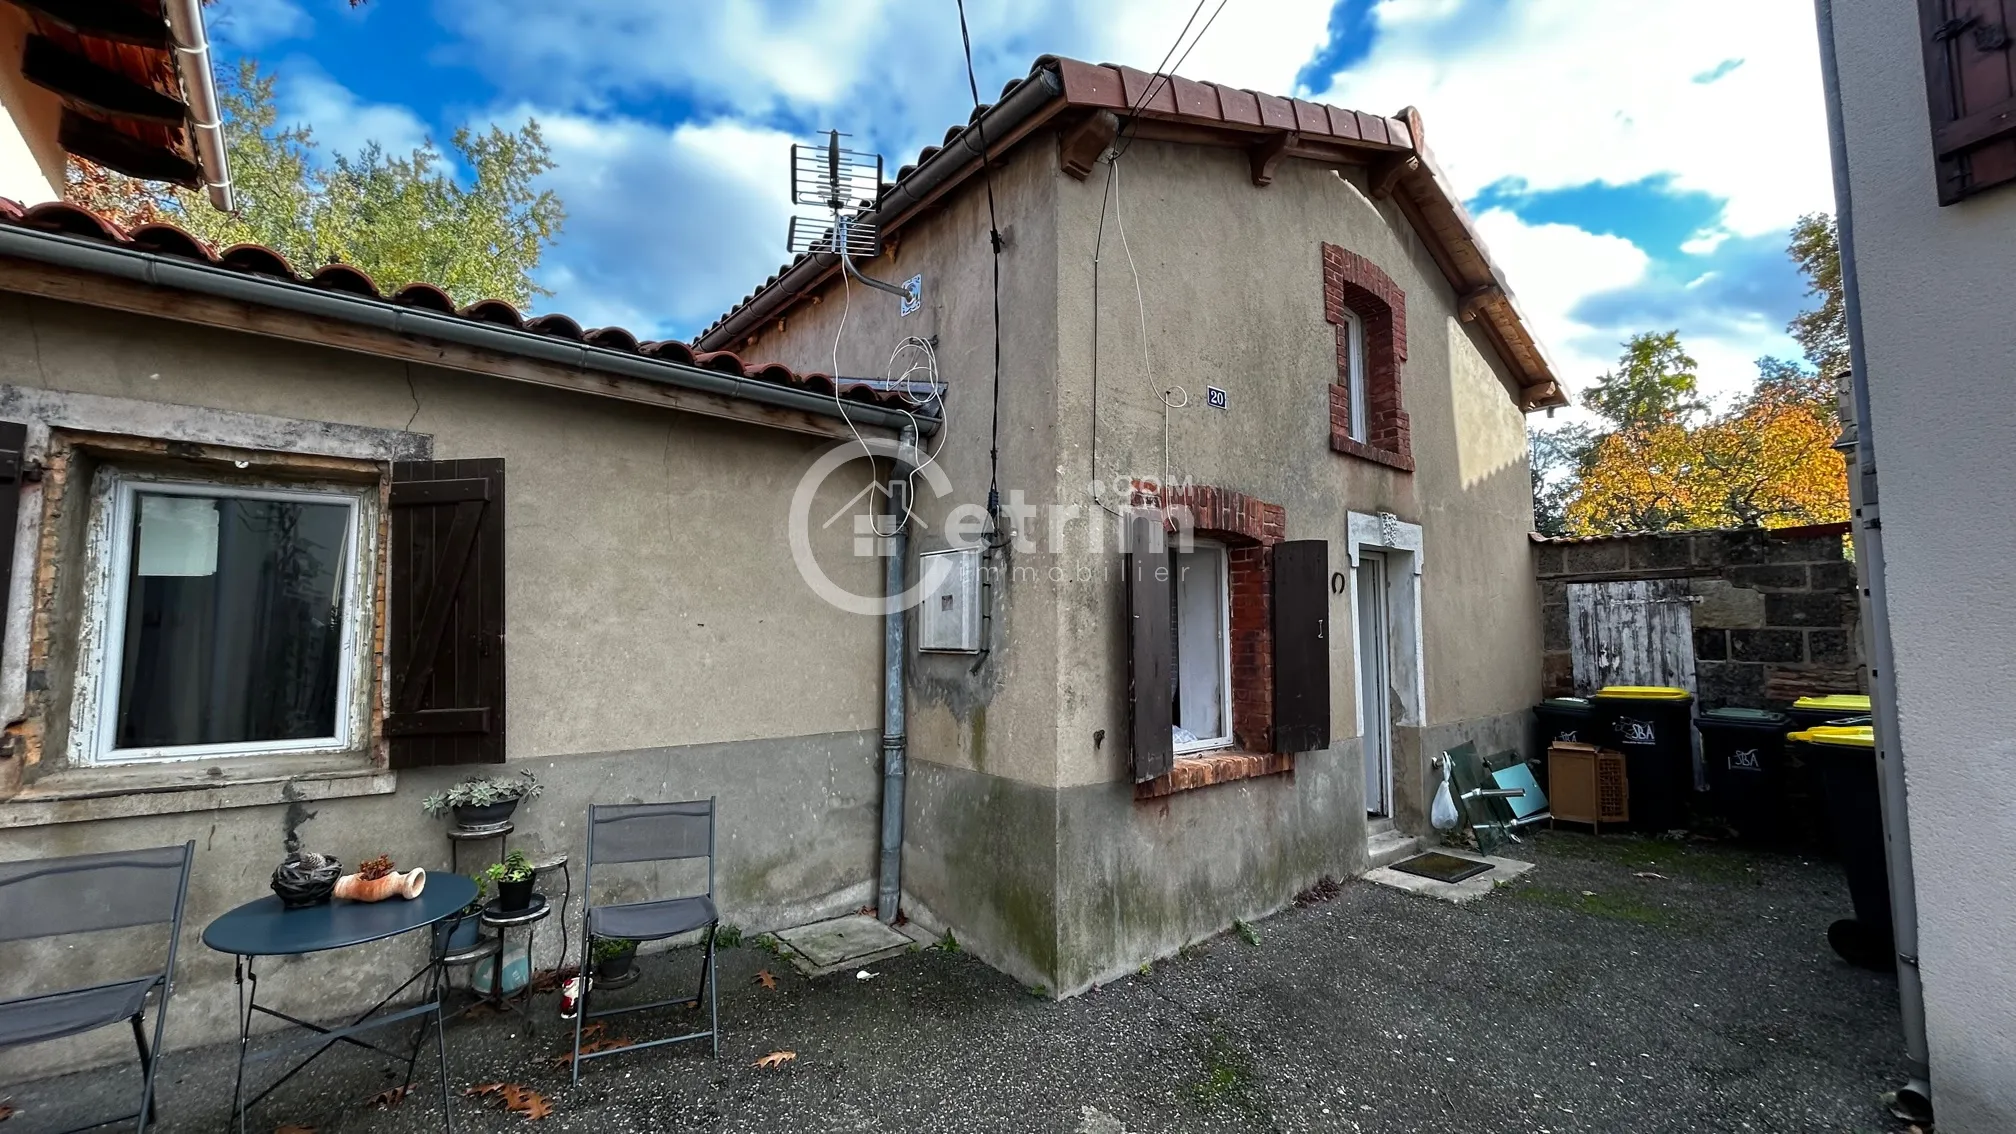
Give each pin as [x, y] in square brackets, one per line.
[948, 614]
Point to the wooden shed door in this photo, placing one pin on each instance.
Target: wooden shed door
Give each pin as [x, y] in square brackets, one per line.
[1632, 633]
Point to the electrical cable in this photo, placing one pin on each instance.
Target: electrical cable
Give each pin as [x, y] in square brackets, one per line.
[906, 389]
[994, 537]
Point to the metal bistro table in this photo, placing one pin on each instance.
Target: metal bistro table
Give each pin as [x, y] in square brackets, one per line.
[265, 928]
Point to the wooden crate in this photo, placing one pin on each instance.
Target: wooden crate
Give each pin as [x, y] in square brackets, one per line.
[1587, 784]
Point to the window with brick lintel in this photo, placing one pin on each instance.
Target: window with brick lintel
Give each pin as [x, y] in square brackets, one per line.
[1369, 311]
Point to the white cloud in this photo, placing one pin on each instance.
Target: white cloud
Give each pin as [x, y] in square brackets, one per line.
[342, 122]
[1558, 265]
[249, 25]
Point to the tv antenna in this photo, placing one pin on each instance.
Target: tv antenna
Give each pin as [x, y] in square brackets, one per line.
[845, 183]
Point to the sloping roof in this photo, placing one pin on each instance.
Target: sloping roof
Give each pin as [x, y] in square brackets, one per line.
[1071, 95]
[261, 263]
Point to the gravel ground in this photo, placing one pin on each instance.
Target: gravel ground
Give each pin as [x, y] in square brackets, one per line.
[1624, 985]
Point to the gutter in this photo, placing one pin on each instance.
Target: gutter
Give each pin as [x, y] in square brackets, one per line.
[199, 91]
[157, 270]
[1036, 93]
[889, 870]
[1914, 1099]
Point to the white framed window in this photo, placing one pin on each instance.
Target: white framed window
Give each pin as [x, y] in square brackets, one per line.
[1200, 614]
[1354, 376]
[224, 620]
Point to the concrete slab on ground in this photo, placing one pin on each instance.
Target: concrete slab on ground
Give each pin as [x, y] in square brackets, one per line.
[1469, 890]
[845, 942]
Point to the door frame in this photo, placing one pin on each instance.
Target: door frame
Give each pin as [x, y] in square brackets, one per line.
[1375, 731]
[1400, 543]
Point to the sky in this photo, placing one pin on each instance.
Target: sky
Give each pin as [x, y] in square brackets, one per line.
[1633, 165]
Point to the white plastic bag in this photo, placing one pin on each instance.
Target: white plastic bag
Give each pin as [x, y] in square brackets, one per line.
[1443, 815]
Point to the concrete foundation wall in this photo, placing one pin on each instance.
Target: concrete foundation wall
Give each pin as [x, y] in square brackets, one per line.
[657, 645]
[1941, 363]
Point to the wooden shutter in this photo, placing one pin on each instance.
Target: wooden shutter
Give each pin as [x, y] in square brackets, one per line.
[446, 620]
[1151, 648]
[1301, 645]
[1970, 80]
[13, 447]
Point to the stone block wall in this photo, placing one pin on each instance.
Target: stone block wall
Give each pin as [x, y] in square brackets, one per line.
[1775, 612]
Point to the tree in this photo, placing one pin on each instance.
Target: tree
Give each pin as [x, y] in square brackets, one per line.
[1654, 384]
[1823, 331]
[1557, 459]
[400, 219]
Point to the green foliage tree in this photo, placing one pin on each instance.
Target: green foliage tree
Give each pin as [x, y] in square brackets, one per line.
[1823, 331]
[1559, 457]
[399, 218]
[1655, 383]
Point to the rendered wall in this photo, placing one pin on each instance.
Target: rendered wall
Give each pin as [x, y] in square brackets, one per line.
[657, 648]
[1941, 361]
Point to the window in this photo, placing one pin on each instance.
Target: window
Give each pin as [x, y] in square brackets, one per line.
[1354, 372]
[1200, 692]
[1970, 87]
[229, 620]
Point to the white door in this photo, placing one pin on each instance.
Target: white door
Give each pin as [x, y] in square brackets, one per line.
[1375, 702]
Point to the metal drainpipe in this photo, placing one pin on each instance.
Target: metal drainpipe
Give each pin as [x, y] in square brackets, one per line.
[199, 89]
[889, 879]
[1914, 1099]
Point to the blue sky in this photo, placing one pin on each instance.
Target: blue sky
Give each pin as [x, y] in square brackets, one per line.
[1633, 166]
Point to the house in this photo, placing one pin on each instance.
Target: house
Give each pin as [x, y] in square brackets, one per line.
[1274, 318]
[1922, 111]
[128, 86]
[290, 552]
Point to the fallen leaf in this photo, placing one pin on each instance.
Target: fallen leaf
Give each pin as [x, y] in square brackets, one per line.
[7, 1112]
[775, 1059]
[1649, 874]
[388, 1099]
[550, 980]
[764, 978]
[589, 1047]
[590, 1031]
[481, 1089]
[536, 1107]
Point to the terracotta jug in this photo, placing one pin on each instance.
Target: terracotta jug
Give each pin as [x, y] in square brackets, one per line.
[395, 885]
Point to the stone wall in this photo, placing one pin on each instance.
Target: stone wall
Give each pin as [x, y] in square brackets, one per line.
[1775, 613]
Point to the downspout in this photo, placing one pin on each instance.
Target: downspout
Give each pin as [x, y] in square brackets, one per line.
[1914, 1099]
[889, 877]
[199, 91]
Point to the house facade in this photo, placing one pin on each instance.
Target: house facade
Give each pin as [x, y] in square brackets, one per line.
[1271, 320]
[1920, 101]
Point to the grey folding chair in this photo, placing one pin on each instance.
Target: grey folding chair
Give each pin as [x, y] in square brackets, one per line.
[648, 832]
[57, 897]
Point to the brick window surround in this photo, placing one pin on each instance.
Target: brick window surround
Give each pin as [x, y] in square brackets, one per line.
[1351, 282]
[1249, 528]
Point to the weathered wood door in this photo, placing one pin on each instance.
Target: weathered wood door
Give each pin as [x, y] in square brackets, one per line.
[1632, 633]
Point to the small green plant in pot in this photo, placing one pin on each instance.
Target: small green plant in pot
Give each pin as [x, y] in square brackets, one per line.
[459, 931]
[513, 879]
[613, 957]
[482, 804]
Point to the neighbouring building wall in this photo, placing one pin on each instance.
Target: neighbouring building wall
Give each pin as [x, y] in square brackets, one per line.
[657, 647]
[1941, 363]
[31, 163]
[1774, 613]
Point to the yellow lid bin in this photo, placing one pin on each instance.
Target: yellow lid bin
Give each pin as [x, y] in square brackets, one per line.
[1838, 736]
[1843, 703]
[1643, 692]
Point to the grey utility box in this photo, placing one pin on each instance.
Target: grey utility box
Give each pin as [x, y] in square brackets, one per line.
[948, 614]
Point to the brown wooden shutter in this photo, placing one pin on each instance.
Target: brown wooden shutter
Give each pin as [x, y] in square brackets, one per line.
[1301, 645]
[1970, 80]
[13, 447]
[1151, 648]
[446, 620]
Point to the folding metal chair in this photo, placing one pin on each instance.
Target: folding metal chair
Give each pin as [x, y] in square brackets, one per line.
[649, 832]
[56, 897]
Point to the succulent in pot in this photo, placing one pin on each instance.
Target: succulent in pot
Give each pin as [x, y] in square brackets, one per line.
[376, 881]
[482, 804]
[513, 879]
[305, 878]
[613, 957]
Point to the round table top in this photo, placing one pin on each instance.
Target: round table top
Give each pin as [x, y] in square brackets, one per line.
[265, 928]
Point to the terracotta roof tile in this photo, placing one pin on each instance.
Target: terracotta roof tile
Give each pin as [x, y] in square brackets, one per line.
[259, 260]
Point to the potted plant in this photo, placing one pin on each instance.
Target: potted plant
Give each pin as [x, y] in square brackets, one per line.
[459, 931]
[513, 879]
[375, 881]
[482, 804]
[613, 957]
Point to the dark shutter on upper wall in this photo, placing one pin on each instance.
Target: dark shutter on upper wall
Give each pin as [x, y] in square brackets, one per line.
[1151, 649]
[13, 447]
[1970, 81]
[445, 625]
[1301, 645]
